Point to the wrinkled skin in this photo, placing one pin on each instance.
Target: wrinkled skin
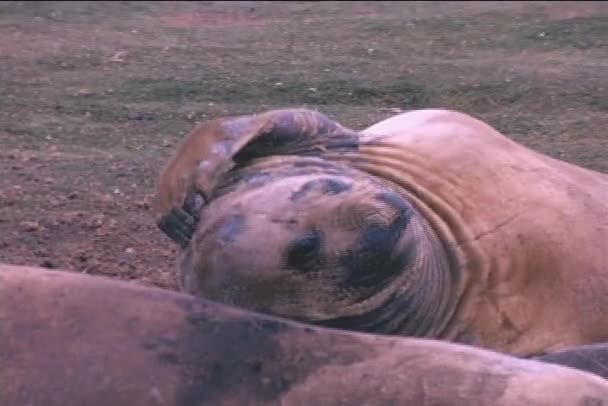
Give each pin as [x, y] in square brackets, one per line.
[70, 339]
[428, 224]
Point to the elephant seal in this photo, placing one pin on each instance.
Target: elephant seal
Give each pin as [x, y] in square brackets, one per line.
[428, 224]
[72, 339]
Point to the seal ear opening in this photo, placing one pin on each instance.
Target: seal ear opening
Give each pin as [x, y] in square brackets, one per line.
[211, 149]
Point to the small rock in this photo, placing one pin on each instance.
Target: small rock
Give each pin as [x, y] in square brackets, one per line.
[119, 56]
[30, 226]
[97, 222]
[392, 110]
[137, 116]
[84, 92]
[54, 202]
[129, 250]
[142, 204]
[141, 116]
[72, 195]
[92, 265]
[155, 393]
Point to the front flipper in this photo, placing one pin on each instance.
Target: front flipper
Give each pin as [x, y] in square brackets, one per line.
[213, 148]
[590, 358]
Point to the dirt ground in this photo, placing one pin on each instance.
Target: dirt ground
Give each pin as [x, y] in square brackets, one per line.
[95, 95]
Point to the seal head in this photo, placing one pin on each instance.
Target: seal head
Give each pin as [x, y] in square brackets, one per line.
[318, 242]
[270, 222]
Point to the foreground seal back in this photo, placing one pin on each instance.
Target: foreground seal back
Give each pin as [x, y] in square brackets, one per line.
[71, 339]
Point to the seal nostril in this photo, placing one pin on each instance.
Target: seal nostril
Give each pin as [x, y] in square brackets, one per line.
[194, 204]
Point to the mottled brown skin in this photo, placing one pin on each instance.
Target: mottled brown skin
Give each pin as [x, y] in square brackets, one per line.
[71, 339]
[428, 224]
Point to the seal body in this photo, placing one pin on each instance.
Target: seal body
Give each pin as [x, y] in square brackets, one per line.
[429, 224]
[532, 230]
[71, 339]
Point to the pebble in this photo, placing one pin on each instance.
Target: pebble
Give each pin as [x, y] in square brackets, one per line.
[30, 226]
[142, 204]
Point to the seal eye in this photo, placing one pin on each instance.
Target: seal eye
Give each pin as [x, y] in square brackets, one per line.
[303, 254]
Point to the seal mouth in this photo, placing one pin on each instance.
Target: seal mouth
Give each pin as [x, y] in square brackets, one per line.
[385, 319]
[391, 311]
[414, 302]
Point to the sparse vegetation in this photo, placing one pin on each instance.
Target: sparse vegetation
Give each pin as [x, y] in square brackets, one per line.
[94, 96]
